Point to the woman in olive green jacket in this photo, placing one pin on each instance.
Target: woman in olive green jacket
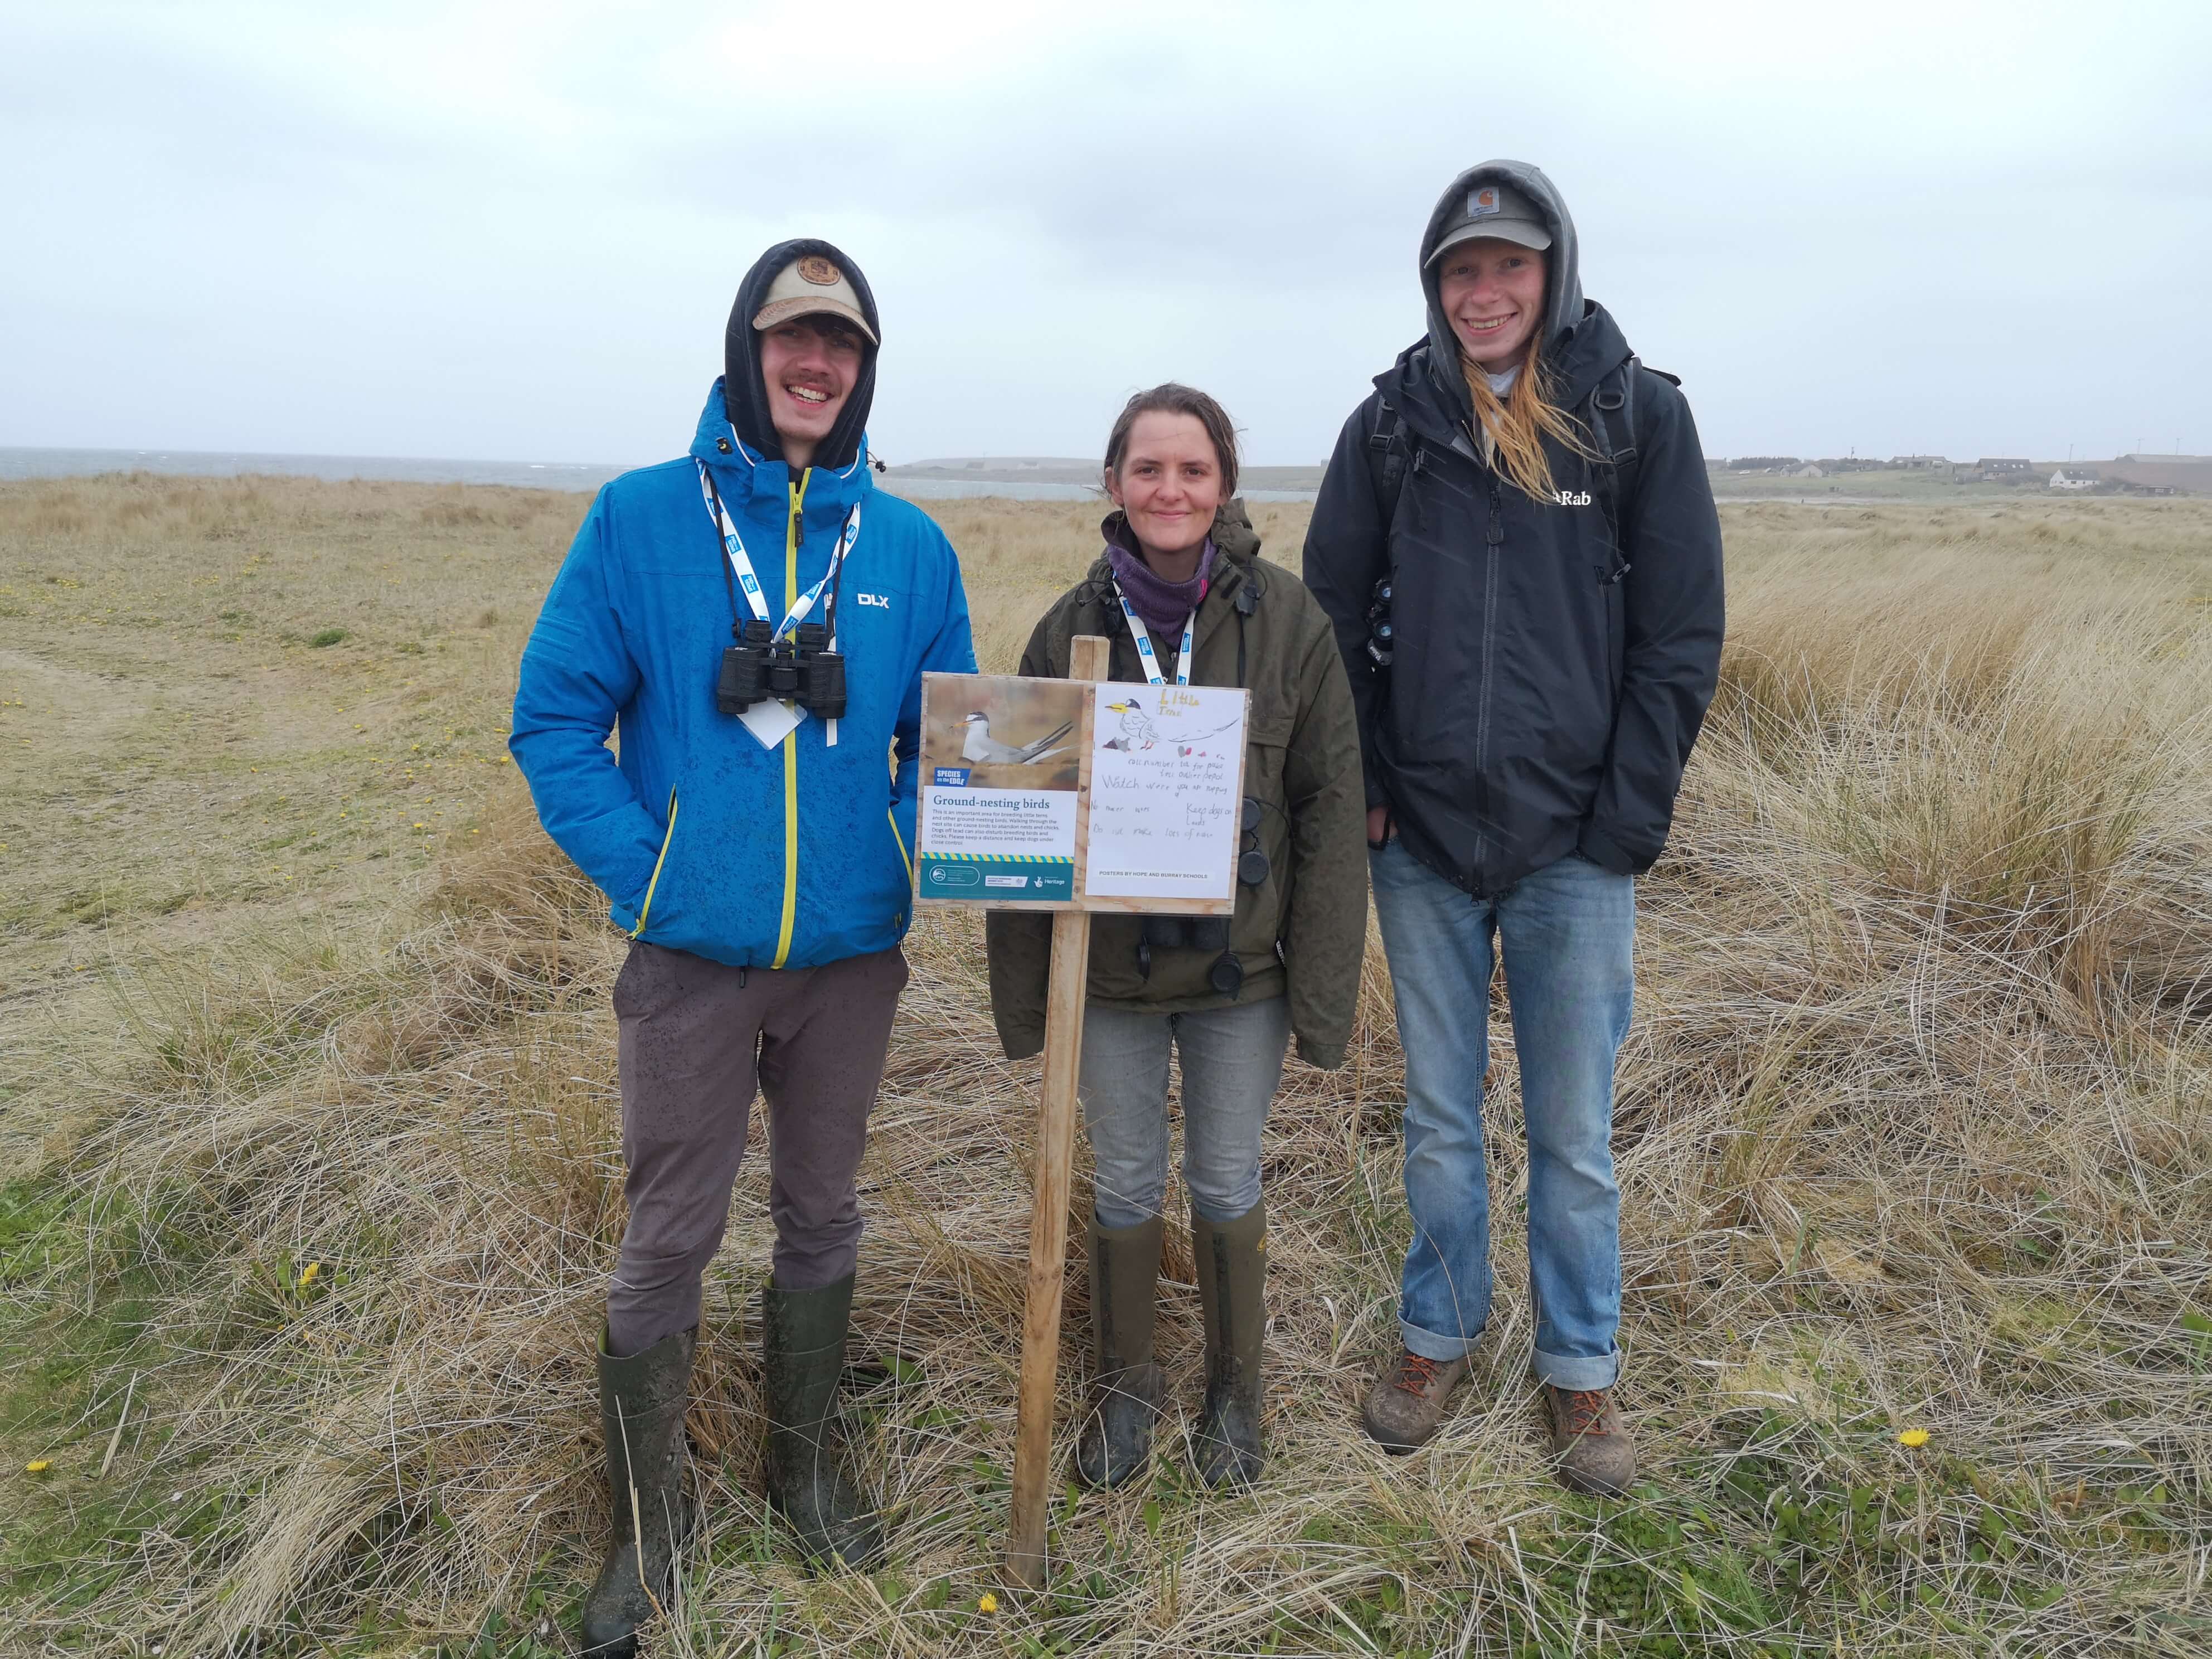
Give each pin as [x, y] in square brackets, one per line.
[1182, 565]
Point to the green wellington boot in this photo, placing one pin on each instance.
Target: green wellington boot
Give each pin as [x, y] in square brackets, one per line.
[803, 1354]
[1232, 1283]
[641, 1405]
[1125, 1383]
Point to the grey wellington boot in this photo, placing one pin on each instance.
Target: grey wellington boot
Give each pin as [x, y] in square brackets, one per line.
[1125, 1383]
[803, 1354]
[642, 1404]
[1232, 1282]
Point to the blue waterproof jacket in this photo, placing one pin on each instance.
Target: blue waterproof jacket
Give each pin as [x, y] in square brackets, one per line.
[703, 840]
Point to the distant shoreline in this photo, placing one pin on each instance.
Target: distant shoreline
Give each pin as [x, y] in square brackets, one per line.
[1017, 478]
[925, 481]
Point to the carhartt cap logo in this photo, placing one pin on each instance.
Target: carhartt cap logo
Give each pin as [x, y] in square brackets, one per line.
[1482, 201]
[819, 271]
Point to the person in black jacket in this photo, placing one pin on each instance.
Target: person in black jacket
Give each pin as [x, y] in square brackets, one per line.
[1516, 544]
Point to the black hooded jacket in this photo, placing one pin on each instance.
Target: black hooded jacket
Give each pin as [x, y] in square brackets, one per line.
[1549, 676]
[746, 398]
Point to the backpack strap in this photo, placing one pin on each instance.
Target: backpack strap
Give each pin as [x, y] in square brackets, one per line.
[1611, 422]
[1389, 453]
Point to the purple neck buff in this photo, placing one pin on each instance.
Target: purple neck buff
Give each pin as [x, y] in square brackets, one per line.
[1162, 606]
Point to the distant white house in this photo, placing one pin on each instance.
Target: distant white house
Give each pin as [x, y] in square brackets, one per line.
[1808, 470]
[2061, 479]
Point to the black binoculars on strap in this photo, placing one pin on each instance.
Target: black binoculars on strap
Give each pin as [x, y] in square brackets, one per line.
[800, 668]
[1382, 632]
[1226, 976]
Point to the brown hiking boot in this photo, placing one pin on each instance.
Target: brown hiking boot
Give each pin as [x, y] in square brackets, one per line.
[1406, 1403]
[1595, 1455]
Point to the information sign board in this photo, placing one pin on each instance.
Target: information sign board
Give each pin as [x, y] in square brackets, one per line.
[1060, 795]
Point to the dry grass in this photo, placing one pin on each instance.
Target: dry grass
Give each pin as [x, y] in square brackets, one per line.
[1913, 1133]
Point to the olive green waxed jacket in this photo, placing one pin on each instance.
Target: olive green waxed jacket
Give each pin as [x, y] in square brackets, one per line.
[1303, 932]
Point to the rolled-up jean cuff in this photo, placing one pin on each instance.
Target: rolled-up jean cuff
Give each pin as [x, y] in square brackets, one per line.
[1562, 1370]
[1430, 1345]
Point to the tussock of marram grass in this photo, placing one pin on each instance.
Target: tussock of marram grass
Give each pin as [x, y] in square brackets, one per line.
[1909, 1134]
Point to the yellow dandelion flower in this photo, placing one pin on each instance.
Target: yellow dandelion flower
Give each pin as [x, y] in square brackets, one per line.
[421, 826]
[1914, 1437]
[988, 1604]
[37, 1466]
[308, 1274]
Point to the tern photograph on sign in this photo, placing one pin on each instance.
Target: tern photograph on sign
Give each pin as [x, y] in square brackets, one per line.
[1000, 761]
[1167, 780]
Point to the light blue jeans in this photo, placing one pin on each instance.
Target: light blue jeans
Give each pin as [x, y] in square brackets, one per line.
[1232, 1058]
[1568, 932]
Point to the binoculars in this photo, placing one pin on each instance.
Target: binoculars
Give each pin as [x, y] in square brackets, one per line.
[800, 668]
[1381, 637]
[1226, 973]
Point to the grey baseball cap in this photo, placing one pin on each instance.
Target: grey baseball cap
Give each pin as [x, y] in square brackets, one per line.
[1495, 210]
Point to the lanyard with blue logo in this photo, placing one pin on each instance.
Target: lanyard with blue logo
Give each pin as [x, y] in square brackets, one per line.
[768, 728]
[735, 547]
[1144, 656]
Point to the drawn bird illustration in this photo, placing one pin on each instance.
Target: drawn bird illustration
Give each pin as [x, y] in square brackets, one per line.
[1137, 732]
[983, 748]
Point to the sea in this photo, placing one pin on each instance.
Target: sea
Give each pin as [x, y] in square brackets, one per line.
[16, 463]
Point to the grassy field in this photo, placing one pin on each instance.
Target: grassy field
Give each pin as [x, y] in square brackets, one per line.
[1931, 487]
[306, 1101]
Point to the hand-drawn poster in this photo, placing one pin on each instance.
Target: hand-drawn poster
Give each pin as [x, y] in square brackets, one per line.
[1167, 770]
[1000, 760]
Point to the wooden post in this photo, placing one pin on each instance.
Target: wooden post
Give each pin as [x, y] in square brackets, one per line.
[1055, 1153]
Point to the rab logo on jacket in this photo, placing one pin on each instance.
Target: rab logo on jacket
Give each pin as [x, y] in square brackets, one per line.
[1574, 497]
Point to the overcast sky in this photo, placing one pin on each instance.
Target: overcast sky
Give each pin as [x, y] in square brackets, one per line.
[510, 231]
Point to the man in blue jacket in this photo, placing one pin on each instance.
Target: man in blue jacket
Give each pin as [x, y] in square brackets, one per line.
[754, 620]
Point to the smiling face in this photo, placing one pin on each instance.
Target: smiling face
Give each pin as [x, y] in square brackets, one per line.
[1493, 294]
[1169, 484]
[809, 367]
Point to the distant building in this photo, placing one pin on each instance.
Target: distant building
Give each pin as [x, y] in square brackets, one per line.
[1810, 469]
[2079, 479]
[1919, 462]
[1998, 466]
[2161, 475]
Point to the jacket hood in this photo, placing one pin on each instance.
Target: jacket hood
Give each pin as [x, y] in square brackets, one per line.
[746, 396]
[743, 472]
[1436, 403]
[1563, 282]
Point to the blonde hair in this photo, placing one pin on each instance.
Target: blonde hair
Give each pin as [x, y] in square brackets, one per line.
[1519, 423]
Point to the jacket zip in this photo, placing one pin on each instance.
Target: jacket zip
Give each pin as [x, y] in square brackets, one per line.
[791, 741]
[667, 840]
[1493, 538]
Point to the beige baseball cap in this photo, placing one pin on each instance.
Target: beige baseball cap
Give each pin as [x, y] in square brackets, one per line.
[1495, 210]
[812, 286]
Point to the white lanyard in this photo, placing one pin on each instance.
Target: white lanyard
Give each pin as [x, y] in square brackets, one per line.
[1139, 633]
[732, 545]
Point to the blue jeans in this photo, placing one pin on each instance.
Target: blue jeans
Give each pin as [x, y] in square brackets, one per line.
[1568, 932]
[1232, 1058]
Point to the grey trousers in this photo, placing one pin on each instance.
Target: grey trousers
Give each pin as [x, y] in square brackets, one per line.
[696, 1040]
[1232, 1059]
